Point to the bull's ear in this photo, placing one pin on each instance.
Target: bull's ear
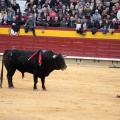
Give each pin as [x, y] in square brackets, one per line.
[55, 56]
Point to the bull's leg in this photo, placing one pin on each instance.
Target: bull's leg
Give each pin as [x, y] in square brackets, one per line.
[35, 82]
[9, 77]
[43, 83]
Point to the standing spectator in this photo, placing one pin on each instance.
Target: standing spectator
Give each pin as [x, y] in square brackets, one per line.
[15, 6]
[30, 25]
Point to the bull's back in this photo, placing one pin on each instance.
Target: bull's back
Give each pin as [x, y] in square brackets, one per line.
[18, 59]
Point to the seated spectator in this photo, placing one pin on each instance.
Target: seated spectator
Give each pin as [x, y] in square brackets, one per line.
[3, 7]
[22, 21]
[105, 28]
[79, 5]
[100, 24]
[30, 4]
[113, 26]
[94, 26]
[30, 25]
[64, 10]
[39, 9]
[18, 12]
[87, 12]
[39, 21]
[2, 15]
[71, 23]
[55, 22]
[63, 23]
[112, 15]
[25, 16]
[9, 17]
[10, 9]
[60, 16]
[60, 5]
[52, 14]
[79, 26]
[15, 24]
[46, 5]
[104, 14]
[47, 22]
[80, 13]
[4, 21]
[96, 15]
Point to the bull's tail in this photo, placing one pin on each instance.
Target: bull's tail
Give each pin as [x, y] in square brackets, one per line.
[1, 77]
[22, 75]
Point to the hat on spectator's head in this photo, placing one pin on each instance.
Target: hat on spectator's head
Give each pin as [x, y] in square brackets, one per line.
[114, 19]
[96, 10]
[30, 16]
[2, 2]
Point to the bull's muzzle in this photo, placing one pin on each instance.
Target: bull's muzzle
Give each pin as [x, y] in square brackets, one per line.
[64, 67]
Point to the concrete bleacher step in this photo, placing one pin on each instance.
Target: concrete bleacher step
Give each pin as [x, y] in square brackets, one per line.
[22, 5]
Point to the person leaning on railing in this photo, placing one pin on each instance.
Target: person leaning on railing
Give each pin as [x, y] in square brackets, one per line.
[113, 26]
[30, 25]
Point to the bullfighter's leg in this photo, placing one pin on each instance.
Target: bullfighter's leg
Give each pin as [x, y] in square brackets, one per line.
[43, 83]
[35, 82]
[10, 73]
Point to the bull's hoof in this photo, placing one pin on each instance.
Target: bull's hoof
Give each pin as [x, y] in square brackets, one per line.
[44, 89]
[11, 87]
[118, 96]
[35, 89]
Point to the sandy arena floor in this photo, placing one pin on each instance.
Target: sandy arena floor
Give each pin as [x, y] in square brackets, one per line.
[78, 93]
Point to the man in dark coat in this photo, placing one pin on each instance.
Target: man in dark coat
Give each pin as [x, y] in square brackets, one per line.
[15, 24]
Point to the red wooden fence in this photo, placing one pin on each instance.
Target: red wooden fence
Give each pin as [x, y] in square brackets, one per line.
[72, 46]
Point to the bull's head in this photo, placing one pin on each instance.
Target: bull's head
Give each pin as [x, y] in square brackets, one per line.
[60, 62]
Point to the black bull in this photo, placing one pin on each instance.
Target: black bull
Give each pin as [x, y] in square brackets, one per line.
[39, 63]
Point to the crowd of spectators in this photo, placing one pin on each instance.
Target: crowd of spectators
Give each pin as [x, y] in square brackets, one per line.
[78, 14]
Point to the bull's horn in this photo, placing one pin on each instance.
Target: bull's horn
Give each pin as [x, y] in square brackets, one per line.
[64, 55]
[54, 56]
